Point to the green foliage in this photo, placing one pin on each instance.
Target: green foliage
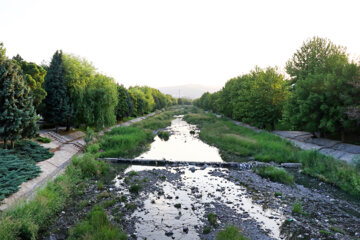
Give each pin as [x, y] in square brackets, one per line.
[93, 148]
[297, 208]
[135, 188]
[17, 113]
[230, 233]
[89, 166]
[96, 226]
[212, 219]
[25, 220]
[320, 71]
[2, 53]
[58, 108]
[18, 165]
[207, 230]
[275, 174]
[164, 135]
[236, 142]
[124, 107]
[256, 98]
[35, 77]
[177, 205]
[90, 134]
[331, 170]
[43, 139]
[123, 141]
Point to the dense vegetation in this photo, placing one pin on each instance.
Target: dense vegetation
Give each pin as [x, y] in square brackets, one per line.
[18, 165]
[321, 95]
[237, 143]
[25, 221]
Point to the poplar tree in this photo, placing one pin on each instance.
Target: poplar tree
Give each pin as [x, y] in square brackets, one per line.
[57, 109]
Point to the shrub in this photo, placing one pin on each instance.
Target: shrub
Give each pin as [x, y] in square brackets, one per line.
[135, 188]
[212, 219]
[207, 230]
[164, 135]
[230, 233]
[297, 208]
[93, 148]
[90, 134]
[43, 139]
[275, 174]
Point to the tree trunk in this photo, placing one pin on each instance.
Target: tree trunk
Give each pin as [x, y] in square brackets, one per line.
[12, 144]
[68, 126]
[342, 135]
[5, 144]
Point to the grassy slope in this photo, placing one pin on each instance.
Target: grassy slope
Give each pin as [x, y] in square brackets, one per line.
[237, 143]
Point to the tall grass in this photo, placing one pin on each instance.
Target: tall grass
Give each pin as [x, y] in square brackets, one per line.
[230, 233]
[25, 220]
[237, 143]
[275, 174]
[96, 226]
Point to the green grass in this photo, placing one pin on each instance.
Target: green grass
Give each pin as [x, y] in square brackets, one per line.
[230, 233]
[25, 220]
[135, 188]
[336, 229]
[164, 135]
[212, 219]
[275, 174]
[237, 143]
[124, 142]
[207, 230]
[297, 208]
[18, 165]
[43, 139]
[96, 226]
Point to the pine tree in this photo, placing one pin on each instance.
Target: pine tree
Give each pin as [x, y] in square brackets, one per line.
[17, 114]
[57, 108]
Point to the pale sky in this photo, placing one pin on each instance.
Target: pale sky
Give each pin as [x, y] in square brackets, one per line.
[165, 42]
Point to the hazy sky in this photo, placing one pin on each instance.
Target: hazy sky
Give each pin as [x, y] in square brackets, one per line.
[164, 43]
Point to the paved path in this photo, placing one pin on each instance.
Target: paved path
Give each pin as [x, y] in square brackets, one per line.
[307, 141]
[64, 147]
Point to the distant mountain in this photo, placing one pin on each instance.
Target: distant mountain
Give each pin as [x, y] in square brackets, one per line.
[191, 91]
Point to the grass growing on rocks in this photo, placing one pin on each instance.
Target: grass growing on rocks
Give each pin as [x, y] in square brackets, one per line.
[230, 233]
[96, 226]
[237, 143]
[275, 174]
[26, 220]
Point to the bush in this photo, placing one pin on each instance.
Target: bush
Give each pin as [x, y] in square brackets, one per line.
[164, 135]
[93, 148]
[43, 139]
[297, 208]
[96, 226]
[230, 233]
[18, 165]
[212, 219]
[275, 174]
[90, 134]
[89, 166]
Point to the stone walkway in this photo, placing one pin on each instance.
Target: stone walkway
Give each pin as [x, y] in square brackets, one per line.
[64, 147]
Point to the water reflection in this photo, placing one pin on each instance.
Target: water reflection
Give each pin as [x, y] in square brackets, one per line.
[182, 145]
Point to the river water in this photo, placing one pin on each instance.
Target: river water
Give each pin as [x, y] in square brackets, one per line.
[196, 189]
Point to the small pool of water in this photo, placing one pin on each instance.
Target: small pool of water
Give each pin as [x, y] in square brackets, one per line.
[182, 145]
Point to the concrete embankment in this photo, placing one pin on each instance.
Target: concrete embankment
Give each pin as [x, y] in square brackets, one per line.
[64, 148]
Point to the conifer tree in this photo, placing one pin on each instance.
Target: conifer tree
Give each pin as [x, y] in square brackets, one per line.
[57, 108]
[17, 114]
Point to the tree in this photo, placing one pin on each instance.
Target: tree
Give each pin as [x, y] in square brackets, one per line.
[17, 113]
[2, 53]
[58, 109]
[322, 90]
[35, 77]
[124, 107]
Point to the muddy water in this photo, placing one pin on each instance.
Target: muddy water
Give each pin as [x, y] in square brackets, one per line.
[182, 145]
[196, 190]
